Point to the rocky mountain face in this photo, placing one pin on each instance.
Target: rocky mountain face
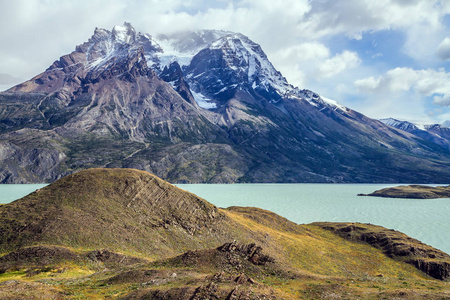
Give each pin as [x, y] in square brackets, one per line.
[206, 106]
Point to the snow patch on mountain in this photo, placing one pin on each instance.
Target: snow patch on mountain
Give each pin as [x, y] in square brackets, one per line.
[402, 125]
[203, 101]
[183, 46]
[171, 54]
[421, 126]
[334, 103]
[307, 95]
[316, 100]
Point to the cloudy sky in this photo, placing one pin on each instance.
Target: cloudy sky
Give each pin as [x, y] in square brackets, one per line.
[384, 58]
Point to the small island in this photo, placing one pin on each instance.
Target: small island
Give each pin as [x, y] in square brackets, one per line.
[412, 191]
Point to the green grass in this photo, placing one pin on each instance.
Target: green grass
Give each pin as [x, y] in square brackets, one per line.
[116, 209]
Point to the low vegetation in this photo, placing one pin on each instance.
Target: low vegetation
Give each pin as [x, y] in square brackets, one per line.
[126, 234]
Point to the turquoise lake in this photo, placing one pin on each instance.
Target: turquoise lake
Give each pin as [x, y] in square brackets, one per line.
[426, 220]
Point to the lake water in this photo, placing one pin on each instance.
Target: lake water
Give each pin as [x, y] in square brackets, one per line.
[11, 192]
[425, 220]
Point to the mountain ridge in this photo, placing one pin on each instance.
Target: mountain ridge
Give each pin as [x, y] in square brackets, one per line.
[223, 115]
[436, 133]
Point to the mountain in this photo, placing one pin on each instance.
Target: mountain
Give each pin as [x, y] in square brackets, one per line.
[403, 125]
[127, 234]
[204, 106]
[435, 133]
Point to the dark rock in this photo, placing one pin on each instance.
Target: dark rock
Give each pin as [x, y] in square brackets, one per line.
[174, 75]
[208, 292]
[436, 269]
[243, 279]
[251, 252]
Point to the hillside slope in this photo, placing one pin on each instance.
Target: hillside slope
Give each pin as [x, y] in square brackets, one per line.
[166, 243]
[122, 209]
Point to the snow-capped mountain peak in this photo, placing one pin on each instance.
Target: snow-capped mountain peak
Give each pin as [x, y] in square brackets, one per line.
[231, 63]
[217, 63]
[120, 42]
[214, 64]
[124, 34]
[240, 53]
[403, 125]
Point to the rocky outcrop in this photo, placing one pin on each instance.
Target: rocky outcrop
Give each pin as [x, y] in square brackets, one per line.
[209, 291]
[413, 192]
[251, 252]
[232, 260]
[396, 245]
[436, 269]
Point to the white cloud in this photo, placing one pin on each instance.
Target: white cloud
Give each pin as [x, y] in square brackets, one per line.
[304, 52]
[339, 63]
[55, 27]
[421, 82]
[297, 62]
[352, 17]
[420, 21]
[370, 83]
[443, 100]
[312, 59]
[444, 49]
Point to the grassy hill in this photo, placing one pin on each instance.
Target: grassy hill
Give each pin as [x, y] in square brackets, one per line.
[123, 233]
